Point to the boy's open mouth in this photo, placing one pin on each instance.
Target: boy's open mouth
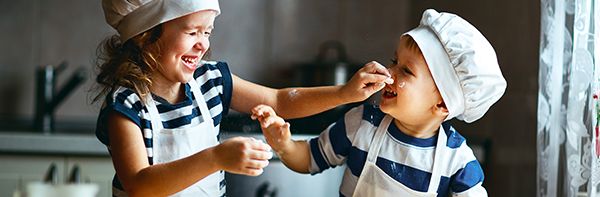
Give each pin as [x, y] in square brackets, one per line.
[389, 93]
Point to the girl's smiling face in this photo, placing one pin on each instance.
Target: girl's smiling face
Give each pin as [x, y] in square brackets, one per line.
[413, 98]
[183, 43]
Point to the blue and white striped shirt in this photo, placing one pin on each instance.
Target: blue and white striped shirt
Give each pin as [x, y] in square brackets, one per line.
[406, 159]
[216, 85]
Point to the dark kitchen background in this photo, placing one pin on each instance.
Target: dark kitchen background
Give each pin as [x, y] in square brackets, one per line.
[279, 43]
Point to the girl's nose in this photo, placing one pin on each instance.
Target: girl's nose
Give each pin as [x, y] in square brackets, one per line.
[202, 44]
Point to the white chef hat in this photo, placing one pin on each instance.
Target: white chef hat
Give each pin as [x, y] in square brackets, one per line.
[132, 17]
[462, 62]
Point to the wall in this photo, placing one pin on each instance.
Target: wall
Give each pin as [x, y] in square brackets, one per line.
[260, 39]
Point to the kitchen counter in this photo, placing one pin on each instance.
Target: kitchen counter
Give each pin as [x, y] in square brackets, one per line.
[52, 144]
[76, 144]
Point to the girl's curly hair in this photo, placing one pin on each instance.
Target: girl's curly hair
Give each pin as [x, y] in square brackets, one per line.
[128, 64]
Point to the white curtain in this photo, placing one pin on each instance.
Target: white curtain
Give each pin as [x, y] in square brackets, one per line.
[568, 161]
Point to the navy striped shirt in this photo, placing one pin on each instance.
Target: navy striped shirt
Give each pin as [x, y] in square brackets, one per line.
[406, 159]
[214, 79]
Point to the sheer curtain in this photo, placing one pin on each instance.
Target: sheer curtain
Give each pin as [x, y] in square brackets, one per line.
[567, 130]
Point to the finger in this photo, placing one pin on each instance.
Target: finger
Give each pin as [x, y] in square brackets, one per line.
[376, 67]
[376, 78]
[252, 172]
[259, 145]
[285, 130]
[256, 109]
[261, 155]
[376, 87]
[262, 110]
[272, 121]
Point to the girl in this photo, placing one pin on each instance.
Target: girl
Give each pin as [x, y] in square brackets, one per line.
[163, 104]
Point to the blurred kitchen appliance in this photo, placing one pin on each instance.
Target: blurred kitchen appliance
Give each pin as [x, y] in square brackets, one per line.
[331, 67]
[279, 181]
[47, 99]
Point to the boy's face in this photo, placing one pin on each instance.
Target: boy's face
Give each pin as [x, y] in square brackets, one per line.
[183, 42]
[413, 98]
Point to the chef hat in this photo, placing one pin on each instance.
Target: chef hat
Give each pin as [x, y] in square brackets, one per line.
[462, 62]
[132, 17]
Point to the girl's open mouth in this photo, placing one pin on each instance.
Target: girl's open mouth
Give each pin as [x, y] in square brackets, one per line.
[190, 61]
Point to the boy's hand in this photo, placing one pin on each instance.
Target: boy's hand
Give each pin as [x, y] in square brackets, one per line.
[275, 129]
[366, 82]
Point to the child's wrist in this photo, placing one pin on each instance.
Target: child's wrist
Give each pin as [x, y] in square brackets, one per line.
[345, 97]
[285, 148]
[214, 163]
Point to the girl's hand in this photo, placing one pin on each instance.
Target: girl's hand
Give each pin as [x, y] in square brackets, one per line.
[275, 129]
[366, 82]
[242, 155]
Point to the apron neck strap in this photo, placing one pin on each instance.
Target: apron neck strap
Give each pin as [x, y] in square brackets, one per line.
[199, 98]
[155, 119]
[438, 160]
[153, 111]
[378, 139]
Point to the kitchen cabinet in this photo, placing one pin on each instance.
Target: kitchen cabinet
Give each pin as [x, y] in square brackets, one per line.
[18, 170]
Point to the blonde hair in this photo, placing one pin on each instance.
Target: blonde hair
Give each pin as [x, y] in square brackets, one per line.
[412, 44]
[129, 64]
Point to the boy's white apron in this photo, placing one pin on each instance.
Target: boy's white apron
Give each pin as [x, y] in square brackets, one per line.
[375, 182]
[173, 144]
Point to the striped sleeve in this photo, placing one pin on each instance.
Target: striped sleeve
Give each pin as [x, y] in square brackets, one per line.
[467, 181]
[128, 103]
[332, 146]
[123, 101]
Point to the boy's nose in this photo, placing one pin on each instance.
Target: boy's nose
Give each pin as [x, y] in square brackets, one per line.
[392, 73]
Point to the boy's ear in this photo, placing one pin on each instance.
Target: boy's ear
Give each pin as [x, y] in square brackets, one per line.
[441, 107]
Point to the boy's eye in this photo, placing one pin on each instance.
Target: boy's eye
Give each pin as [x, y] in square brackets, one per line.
[406, 70]
[192, 33]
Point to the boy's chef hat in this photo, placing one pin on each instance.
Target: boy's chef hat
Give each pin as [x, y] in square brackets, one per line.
[132, 17]
[462, 62]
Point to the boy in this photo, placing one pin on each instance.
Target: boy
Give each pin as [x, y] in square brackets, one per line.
[442, 69]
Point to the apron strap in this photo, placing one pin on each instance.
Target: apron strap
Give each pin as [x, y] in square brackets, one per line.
[155, 119]
[199, 98]
[378, 139]
[438, 161]
[153, 111]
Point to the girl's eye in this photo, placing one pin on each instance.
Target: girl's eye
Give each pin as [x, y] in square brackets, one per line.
[394, 61]
[192, 33]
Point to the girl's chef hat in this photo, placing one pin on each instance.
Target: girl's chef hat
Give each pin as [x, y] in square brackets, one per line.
[132, 17]
[462, 62]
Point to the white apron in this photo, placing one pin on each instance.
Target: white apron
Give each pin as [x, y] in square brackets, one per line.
[173, 144]
[375, 182]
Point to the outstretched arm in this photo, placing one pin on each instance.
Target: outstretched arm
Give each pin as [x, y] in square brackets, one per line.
[237, 155]
[301, 102]
[294, 154]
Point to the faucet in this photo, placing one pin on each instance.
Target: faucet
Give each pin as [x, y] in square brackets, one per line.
[47, 99]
